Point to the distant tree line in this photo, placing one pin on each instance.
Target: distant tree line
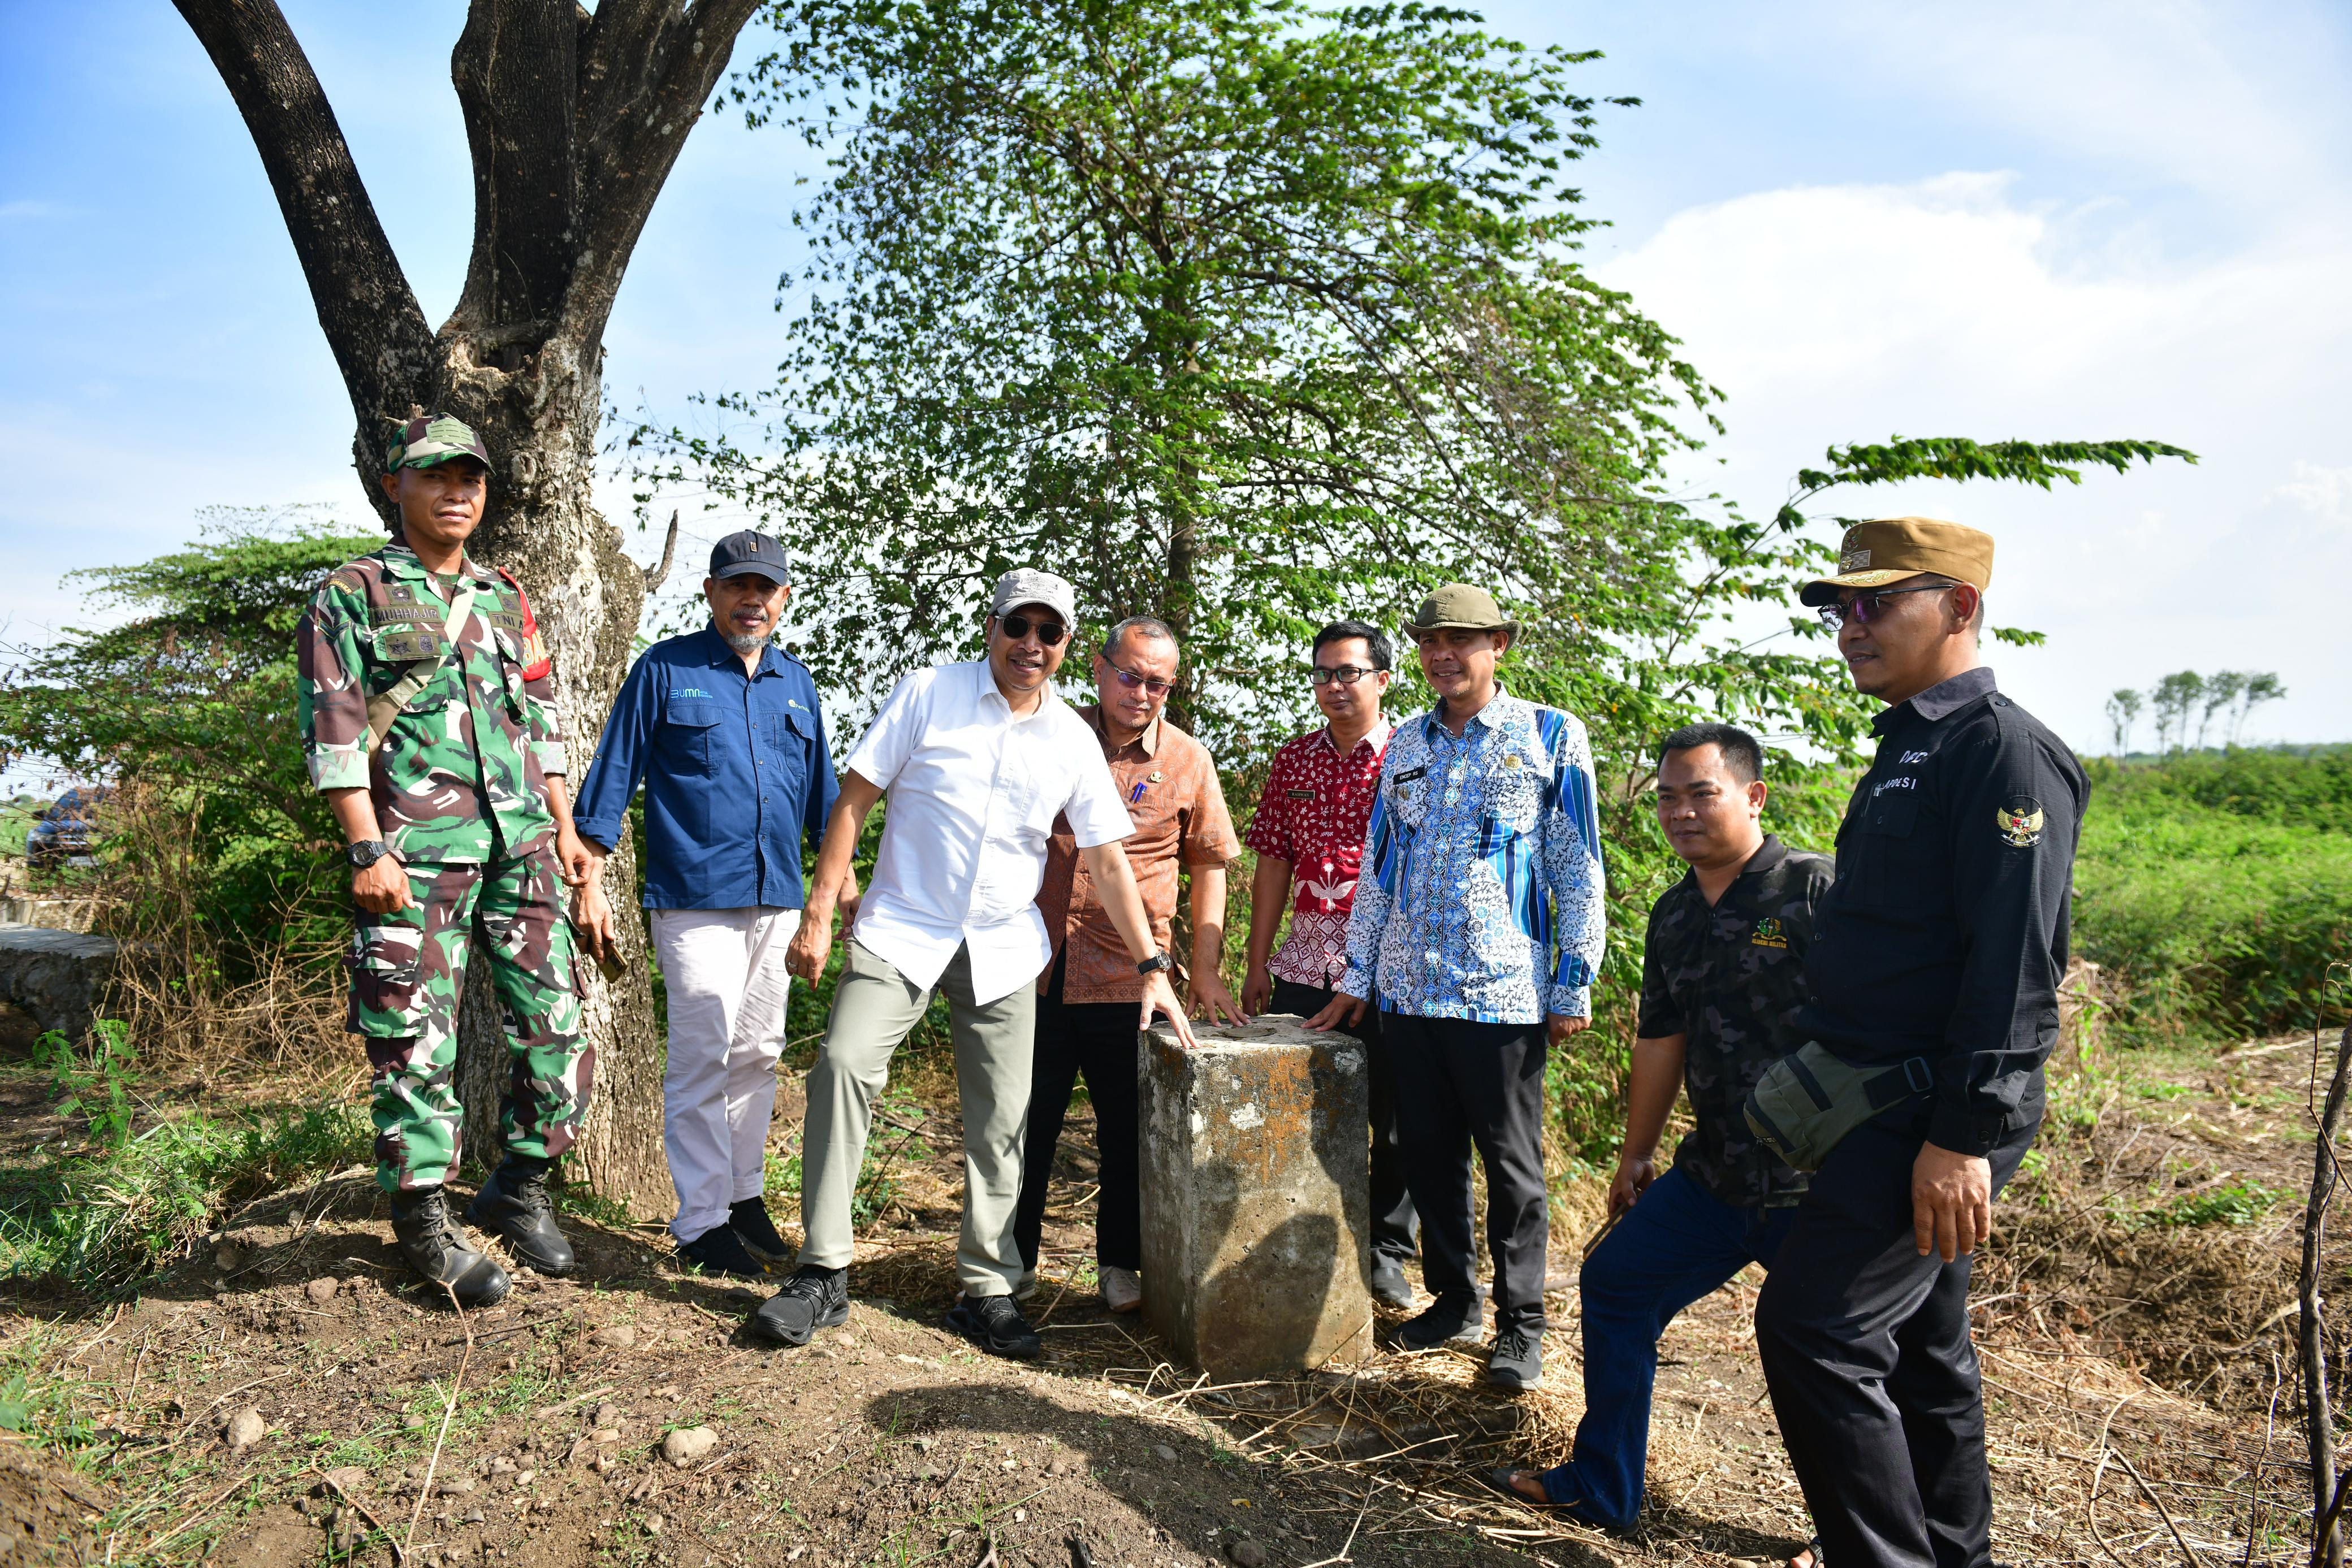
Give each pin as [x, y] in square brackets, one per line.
[2228, 695]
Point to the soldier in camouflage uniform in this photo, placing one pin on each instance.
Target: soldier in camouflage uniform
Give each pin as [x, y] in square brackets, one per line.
[429, 720]
[1722, 978]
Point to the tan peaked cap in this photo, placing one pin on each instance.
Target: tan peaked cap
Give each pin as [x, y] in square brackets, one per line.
[1888, 550]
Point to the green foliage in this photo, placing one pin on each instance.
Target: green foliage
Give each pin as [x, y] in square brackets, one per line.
[99, 1091]
[2216, 890]
[2237, 1203]
[190, 704]
[102, 1222]
[1246, 315]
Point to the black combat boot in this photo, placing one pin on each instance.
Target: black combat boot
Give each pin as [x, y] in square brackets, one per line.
[513, 1206]
[435, 1248]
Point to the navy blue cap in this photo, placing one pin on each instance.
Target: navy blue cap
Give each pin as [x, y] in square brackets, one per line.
[751, 552]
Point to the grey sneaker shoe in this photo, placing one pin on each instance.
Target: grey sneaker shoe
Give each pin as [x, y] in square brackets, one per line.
[1389, 1285]
[1122, 1288]
[996, 1325]
[1449, 1320]
[812, 1298]
[1516, 1364]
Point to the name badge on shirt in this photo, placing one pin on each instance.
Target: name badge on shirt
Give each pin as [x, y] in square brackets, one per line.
[1410, 774]
[1300, 794]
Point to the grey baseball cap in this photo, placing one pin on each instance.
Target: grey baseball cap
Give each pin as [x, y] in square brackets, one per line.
[1026, 585]
[751, 552]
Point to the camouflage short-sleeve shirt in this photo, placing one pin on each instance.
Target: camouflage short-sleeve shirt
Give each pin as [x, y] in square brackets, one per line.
[462, 775]
[1729, 978]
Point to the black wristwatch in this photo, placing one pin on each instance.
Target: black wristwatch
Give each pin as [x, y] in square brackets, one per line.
[1157, 963]
[366, 854]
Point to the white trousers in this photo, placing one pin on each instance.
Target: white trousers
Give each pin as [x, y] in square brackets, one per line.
[725, 972]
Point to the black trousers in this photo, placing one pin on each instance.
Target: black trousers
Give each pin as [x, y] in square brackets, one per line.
[1395, 1224]
[1461, 1084]
[1865, 1345]
[1097, 1041]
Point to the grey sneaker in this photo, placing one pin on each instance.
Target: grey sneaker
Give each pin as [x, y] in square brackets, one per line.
[1449, 1320]
[1515, 1364]
[812, 1298]
[1122, 1288]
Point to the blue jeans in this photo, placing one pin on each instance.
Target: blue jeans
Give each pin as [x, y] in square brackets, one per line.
[1675, 1245]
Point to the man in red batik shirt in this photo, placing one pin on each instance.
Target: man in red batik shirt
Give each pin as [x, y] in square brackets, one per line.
[1309, 830]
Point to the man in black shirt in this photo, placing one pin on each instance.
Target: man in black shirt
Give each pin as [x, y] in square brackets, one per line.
[1722, 978]
[1942, 940]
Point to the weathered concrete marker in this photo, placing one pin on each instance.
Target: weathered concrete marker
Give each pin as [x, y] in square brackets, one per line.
[1257, 1197]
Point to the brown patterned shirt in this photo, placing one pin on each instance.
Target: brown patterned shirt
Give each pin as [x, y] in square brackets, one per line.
[1169, 784]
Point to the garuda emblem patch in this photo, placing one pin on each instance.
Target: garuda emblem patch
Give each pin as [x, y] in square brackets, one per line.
[2020, 819]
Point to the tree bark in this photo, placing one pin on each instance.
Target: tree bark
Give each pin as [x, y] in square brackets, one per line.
[574, 122]
[2319, 1415]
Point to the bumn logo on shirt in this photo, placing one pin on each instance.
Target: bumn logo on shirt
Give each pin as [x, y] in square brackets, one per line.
[1769, 932]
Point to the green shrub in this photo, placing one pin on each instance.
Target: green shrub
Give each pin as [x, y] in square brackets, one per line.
[2217, 889]
[99, 1223]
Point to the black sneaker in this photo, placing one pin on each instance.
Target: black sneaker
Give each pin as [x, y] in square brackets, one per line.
[1449, 1319]
[513, 1205]
[719, 1251]
[437, 1249]
[812, 1298]
[996, 1325]
[750, 1221]
[1516, 1364]
[1389, 1285]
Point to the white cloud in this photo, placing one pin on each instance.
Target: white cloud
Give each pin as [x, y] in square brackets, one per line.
[1832, 314]
[2325, 493]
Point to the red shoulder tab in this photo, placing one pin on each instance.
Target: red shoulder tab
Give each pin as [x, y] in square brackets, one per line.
[536, 661]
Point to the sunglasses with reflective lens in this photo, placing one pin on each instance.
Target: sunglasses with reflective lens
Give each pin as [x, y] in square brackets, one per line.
[1345, 675]
[1130, 681]
[1868, 607]
[1049, 632]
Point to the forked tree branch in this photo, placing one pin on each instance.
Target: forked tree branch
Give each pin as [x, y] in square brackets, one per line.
[373, 326]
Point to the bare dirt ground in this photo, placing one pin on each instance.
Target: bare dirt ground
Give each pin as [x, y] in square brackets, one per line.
[286, 1397]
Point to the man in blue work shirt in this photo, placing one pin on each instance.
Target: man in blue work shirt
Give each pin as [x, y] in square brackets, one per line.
[722, 728]
[1477, 930]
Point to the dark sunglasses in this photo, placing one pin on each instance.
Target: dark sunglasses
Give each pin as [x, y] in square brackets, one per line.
[1049, 632]
[1868, 607]
[1130, 681]
[1345, 675]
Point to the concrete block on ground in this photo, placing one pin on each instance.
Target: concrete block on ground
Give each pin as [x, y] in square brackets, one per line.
[1257, 1197]
[61, 978]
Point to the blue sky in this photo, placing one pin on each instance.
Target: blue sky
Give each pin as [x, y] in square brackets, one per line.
[2054, 221]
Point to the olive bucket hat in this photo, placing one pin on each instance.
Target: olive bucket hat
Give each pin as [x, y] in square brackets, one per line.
[1461, 607]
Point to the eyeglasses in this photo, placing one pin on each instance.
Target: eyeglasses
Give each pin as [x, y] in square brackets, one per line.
[1049, 632]
[1868, 607]
[1345, 675]
[1131, 681]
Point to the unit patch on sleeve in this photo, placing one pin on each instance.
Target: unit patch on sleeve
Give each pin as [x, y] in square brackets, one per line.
[2020, 819]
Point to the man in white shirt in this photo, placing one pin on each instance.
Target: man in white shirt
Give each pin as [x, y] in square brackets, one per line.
[978, 760]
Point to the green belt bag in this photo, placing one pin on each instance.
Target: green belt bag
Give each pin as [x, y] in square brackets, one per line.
[1806, 1102]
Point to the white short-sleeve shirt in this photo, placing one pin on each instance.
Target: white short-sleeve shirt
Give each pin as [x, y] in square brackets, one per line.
[972, 791]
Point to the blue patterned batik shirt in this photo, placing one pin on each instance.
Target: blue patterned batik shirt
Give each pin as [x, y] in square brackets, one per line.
[1481, 890]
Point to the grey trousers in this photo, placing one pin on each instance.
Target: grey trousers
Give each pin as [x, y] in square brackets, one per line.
[872, 1008]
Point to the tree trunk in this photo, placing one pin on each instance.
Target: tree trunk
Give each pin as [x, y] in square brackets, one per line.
[575, 119]
[540, 423]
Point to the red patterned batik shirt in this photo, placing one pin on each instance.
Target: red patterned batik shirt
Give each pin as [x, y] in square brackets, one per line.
[1313, 813]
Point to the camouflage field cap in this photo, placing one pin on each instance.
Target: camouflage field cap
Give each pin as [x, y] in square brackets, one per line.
[1888, 550]
[434, 438]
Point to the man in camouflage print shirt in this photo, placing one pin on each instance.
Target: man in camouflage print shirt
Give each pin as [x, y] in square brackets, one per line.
[429, 720]
[1722, 979]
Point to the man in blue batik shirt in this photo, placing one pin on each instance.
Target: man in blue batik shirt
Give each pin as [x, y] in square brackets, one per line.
[1477, 930]
[722, 728]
